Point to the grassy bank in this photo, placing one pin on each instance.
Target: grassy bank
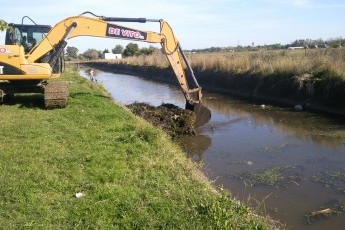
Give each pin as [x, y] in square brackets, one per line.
[129, 174]
[314, 78]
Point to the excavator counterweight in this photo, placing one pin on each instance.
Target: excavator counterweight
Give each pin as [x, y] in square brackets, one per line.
[32, 55]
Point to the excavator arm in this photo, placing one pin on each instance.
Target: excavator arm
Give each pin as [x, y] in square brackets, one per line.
[99, 26]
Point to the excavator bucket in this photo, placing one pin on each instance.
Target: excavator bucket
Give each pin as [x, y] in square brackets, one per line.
[203, 114]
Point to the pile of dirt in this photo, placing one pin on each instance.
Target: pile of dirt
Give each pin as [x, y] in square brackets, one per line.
[172, 119]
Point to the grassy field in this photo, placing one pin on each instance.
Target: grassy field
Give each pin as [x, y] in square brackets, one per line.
[129, 174]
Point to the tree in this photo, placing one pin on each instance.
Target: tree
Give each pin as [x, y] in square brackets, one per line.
[131, 50]
[3, 25]
[91, 54]
[118, 49]
[147, 51]
[81, 57]
[105, 51]
[72, 52]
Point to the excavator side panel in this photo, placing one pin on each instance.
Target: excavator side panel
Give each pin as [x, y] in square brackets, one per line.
[14, 66]
[11, 59]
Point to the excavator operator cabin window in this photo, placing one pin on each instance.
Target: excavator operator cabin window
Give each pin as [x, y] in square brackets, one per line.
[26, 35]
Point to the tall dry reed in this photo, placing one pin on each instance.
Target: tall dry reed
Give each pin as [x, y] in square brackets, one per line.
[263, 63]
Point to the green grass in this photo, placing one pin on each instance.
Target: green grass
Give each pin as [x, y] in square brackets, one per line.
[278, 176]
[334, 180]
[131, 174]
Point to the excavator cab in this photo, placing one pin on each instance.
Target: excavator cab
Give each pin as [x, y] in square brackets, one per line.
[26, 35]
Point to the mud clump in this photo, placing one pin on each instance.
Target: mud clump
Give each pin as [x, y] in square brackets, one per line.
[172, 119]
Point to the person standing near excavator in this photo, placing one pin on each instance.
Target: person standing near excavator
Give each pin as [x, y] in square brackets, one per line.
[92, 75]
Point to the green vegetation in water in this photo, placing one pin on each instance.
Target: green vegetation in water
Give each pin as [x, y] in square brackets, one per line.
[274, 149]
[94, 165]
[278, 176]
[334, 180]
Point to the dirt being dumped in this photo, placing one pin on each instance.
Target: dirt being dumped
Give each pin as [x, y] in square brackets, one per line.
[172, 119]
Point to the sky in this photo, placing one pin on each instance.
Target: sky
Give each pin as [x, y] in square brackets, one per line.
[197, 24]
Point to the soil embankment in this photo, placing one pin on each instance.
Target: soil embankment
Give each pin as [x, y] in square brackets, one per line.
[323, 95]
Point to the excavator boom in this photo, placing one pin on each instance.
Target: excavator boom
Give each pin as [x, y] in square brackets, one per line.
[38, 63]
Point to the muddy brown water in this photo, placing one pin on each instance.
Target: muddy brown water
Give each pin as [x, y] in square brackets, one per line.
[284, 163]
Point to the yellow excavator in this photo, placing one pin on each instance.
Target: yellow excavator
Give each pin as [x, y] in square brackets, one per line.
[33, 55]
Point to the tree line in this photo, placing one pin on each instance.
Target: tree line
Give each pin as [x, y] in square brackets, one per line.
[305, 43]
[131, 49]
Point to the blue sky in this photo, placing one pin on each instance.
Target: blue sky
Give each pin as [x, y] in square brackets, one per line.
[198, 24]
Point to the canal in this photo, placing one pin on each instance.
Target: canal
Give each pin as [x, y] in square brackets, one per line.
[289, 165]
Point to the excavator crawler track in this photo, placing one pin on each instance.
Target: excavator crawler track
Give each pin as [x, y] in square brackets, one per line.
[2, 95]
[56, 95]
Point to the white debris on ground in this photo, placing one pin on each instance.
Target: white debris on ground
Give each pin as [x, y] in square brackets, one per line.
[79, 194]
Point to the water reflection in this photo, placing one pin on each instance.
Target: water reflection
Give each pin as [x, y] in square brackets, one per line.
[303, 125]
[195, 146]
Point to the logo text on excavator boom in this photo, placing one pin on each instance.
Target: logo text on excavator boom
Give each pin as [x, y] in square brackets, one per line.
[122, 32]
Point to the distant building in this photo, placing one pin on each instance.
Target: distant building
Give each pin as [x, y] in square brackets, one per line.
[111, 56]
[296, 48]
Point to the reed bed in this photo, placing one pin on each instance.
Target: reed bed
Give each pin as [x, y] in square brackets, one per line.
[157, 59]
[330, 62]
[268, 63]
